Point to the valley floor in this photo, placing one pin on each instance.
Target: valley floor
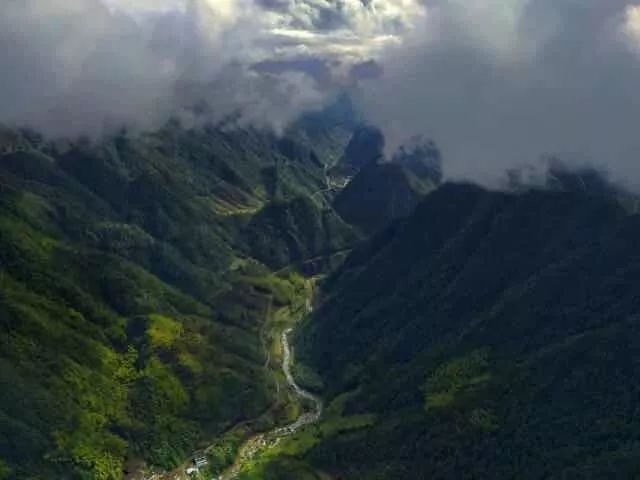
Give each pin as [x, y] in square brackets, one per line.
[306, 407]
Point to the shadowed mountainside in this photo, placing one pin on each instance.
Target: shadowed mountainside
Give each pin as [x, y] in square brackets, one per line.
[492, 334]
[379, 194]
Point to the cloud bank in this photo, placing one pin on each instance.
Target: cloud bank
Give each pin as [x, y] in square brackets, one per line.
[89, 66]
[497, 83]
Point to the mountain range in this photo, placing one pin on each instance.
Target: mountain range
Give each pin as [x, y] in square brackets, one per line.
[458, 332]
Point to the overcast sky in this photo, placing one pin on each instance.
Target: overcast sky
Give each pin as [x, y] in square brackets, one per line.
[495, 83]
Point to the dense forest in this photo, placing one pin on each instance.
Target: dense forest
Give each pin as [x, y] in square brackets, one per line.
[490, 335]
[458, 333]
[136, 275]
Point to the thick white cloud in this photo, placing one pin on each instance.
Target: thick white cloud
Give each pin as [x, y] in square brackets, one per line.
[86, 66]
[502, 82]
[73, 66]
[145, 6]
[349, 29]
[494, 82]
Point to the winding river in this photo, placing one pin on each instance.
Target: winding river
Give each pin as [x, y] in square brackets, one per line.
[263, 441]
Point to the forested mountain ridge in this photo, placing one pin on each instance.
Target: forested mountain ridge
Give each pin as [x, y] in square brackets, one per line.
[132, 293]
[492, 335]
[473, 333]
[383, 190]
[379, 194]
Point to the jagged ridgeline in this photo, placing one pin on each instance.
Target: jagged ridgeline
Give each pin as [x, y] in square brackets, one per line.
[135, 276]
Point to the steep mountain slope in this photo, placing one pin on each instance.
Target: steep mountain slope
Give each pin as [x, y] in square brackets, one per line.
[365, 146]
[491, 335]
[421, 157]
[380, 193]
[131, 307]
[286, 233]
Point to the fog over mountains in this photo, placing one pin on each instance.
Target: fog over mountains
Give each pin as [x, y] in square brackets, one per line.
[497, 83]
[90, 66]
[494, 83]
